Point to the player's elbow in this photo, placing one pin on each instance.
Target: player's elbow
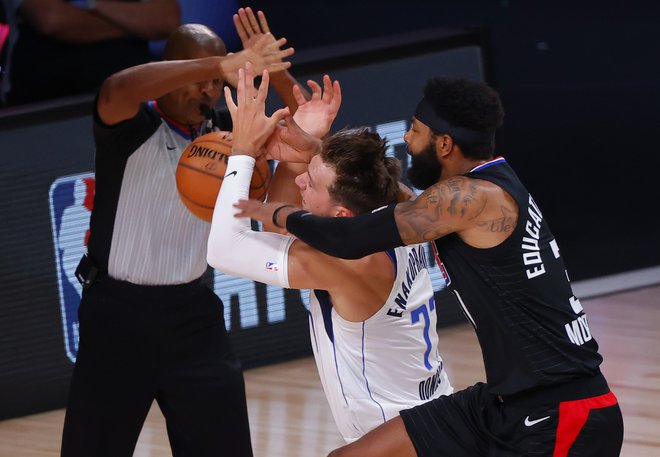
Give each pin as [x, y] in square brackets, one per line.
[217, 255]
[223, 253]
[224, 265]
[117, 87]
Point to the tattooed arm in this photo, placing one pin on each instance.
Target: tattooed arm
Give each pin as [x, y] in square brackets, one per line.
[438, 211]
[479, 211]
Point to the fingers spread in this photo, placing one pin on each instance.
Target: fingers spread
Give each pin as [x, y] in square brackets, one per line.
[298, 95]
[336, 89]
[245, 21]
[281, 42]
[242, 34]
[263, 22]
[316, 89]
[279, 66]
[263, 87]
[240, 89]
[280, 114]
[253, 20]
[327, 89]
[230, 101]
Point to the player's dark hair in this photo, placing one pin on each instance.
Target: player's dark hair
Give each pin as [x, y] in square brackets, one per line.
[366, 178]
[468, 104]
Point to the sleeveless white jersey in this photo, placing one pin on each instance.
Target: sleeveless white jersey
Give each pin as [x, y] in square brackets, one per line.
[371, 370]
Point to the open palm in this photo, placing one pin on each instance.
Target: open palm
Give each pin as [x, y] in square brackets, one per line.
[316, 115]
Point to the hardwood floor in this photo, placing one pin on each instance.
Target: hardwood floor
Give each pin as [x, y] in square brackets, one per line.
[289, 415]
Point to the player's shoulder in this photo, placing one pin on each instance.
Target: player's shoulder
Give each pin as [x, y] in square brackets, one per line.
[472, 188]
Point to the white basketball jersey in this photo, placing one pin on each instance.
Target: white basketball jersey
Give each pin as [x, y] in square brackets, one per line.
[371, 370]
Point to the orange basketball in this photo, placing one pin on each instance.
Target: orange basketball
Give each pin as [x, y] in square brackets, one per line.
[202, 167]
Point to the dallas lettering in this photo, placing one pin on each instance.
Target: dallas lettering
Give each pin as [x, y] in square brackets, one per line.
[416, 262]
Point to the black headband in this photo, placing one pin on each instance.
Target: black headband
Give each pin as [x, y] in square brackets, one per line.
[426, 114]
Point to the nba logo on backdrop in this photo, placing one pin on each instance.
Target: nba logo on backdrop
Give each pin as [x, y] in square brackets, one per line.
[71, 199]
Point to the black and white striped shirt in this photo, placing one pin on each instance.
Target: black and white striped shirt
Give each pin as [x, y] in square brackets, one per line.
[141, 232]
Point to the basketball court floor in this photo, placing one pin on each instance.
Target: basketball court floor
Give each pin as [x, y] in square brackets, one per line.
[289, 416]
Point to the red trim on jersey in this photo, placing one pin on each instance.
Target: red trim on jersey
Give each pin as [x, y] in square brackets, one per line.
[176, 124]
[88, 203]
[441, 266]
[572, 417]
[492, 161]
[90, 185]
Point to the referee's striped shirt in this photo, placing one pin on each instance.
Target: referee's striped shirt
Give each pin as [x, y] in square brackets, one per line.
[141, 231]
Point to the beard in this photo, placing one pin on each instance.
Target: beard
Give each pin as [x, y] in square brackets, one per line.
[425, 168]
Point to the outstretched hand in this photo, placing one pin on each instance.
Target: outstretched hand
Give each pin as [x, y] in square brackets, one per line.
[290, 143]
[316, 115]
[259, 45]
[250, 29]
[298, 139]
[251, 126]
[266, 54]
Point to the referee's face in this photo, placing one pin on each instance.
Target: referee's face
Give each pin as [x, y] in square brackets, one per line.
[183, 104]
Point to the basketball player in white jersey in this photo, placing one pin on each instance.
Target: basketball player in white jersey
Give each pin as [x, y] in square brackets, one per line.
[372, 320]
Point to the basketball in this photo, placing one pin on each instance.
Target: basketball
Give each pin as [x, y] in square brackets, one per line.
[202, 167]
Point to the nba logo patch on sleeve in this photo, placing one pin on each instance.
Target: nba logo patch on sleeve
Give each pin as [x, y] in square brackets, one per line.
[70, 200]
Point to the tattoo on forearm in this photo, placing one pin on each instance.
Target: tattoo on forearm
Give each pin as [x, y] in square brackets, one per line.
[417, 221]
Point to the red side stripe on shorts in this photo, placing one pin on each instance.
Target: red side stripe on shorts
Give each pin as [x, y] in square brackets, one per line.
[572, 417]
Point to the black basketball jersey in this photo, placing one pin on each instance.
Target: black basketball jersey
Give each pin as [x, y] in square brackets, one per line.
[532, 330]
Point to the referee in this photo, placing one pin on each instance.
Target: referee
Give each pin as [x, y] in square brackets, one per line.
[149, 327]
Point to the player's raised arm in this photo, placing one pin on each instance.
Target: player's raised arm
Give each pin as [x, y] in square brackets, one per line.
[233, 247]
[299, 138]
[251, 28]
[315, 115]
[121, 94]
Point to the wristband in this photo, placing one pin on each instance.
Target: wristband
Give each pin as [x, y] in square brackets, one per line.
[276, 212]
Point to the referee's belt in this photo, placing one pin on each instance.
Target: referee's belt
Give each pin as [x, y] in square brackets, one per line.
[87, 272]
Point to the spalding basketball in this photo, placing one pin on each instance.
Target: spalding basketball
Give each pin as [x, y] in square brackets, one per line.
[202, 167]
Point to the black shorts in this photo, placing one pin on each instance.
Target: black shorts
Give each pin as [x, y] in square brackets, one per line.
[474, 422]
[168, 343]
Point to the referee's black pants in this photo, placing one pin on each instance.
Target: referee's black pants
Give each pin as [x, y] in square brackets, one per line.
[168, 343]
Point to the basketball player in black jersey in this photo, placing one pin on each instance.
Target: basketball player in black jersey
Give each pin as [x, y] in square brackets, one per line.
[545, 394]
